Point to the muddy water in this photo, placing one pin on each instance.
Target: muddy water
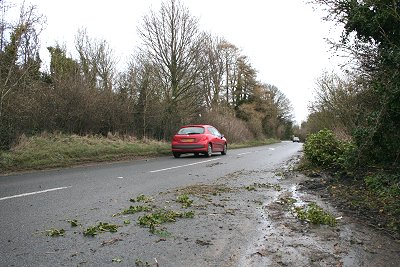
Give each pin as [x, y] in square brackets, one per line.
[283, 240]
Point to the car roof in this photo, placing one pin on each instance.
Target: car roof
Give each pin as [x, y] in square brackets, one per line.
[197, 125]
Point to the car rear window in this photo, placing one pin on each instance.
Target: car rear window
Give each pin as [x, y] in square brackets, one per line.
[191, 130]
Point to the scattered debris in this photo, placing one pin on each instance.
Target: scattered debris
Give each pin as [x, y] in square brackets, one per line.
[140, 263]
[184, 200]
[55, 232]
[203, 243]
[110, 242]
[314, 214]
[100, 228]
[74, 223]
[254, 186]
[133, 210]
[275, 207]
[250, 188]
[204, 189]
[159, 217]
[142, 198]
[117, 260]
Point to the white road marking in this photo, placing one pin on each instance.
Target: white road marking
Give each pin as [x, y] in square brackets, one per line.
[181, 166]
[243, 153]
[271, 148]
[37, 192]
[120, 177]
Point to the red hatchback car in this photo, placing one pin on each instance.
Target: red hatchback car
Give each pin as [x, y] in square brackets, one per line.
[204, 139]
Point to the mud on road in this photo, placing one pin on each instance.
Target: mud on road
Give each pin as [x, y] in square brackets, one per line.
[242, 219]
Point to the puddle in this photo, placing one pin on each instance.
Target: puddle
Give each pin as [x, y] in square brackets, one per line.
[282, 240]
[297, 196]
[255, 253]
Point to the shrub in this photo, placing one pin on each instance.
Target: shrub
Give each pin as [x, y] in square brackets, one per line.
[325, 150]
[384, 184]
[322, 148]
[346, 159]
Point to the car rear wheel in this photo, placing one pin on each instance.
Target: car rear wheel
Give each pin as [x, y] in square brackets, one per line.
[209, 151]
[176, 155]
[223, 152]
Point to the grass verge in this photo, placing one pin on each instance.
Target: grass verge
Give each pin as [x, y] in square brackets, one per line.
[60, 150]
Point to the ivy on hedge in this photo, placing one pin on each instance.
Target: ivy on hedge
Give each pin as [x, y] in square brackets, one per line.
[324, 150]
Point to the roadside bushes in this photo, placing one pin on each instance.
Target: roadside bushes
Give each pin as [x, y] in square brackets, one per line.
[323, 149]
[372, 190]
[236, 130]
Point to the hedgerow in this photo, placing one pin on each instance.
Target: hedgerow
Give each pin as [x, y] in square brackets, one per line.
[323, 149]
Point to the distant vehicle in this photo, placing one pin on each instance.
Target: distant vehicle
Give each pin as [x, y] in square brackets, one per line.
[198, 139]
[296, 139]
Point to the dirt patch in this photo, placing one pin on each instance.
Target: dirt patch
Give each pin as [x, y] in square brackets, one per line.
[204, 189]
[355, 200]
[286, 241]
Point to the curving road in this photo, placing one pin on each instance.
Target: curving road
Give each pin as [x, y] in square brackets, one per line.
[30, 203]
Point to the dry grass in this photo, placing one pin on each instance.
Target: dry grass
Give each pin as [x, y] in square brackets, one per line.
[203, 189]
[59, 150]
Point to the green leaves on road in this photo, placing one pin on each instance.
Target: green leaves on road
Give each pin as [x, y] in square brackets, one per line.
[133, 210]
[55, 232]
[314, 214]
[142, 198]
[184, 199]
[151, 220]
[159, 217]
[100, 228]
[254, 186]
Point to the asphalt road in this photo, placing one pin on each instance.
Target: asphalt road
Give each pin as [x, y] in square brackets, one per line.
[30, 203]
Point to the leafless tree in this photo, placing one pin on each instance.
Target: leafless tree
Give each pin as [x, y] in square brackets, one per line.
[97, 61]
[338, 102]
[148, 94]
[18, 52]
[246, 81]
[230, 54]
[173, 42]
[282, 104]
[5, 26]
[212, 76]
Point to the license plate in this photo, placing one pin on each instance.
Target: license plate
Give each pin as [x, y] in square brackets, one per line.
[189, 140]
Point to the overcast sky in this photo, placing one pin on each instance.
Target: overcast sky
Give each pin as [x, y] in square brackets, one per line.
[283, 39]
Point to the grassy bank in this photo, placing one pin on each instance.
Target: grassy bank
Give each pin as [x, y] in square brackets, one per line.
[60, 150]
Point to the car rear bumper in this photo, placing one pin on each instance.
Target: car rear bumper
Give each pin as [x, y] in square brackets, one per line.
[189, 148]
